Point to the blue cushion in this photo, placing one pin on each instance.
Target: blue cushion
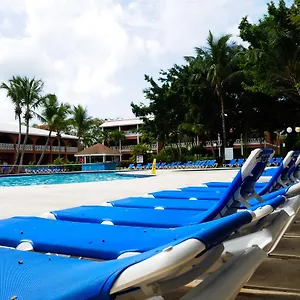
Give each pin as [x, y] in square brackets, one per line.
[35, 276]
[126, 216]
[89, 240]
[213, 195]
[226, 184]
[141, 202]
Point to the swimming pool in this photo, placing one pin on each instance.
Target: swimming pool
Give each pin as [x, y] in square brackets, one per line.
[28, 180]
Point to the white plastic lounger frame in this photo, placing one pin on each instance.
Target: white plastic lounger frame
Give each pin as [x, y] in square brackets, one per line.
[270, 230]
[146, 273]
[219, 285]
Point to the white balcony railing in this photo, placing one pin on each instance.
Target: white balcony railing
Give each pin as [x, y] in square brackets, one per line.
[128, 148]
[115, 148]
[131, 133]
[27, 147]
[6, 146]
[216, 143]
[41, 148]
[58, 149]
[251, 141]
[72, 149]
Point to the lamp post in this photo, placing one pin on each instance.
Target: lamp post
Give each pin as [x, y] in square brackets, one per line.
[219, 144]
[289, 130]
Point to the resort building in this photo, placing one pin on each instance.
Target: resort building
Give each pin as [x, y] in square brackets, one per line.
[130, 128]
[35, 144]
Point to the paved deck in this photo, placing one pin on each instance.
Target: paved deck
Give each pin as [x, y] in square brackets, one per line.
[35, 200]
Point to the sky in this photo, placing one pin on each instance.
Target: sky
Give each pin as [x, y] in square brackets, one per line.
[96, 52]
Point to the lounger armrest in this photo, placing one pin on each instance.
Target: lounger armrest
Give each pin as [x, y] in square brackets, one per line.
[228, 280]
[261, 212]
[293, 191]
[164, 262]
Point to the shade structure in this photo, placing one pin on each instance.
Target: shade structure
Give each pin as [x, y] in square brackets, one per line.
[98, 150]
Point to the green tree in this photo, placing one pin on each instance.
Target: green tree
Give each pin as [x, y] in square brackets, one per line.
[62, 121]
[272, 61]
[219, 60]
[116, 136]
[94, 134]
[139, 149]
[81, 121]
[30, 90]
[12, 90]
[295, 13]
[49, 116]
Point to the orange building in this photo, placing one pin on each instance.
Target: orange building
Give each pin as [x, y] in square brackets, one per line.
[35, 144]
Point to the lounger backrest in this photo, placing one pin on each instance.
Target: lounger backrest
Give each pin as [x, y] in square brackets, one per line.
[296, 173]
[280, 176]
[233, 161]
[242, 187]
[290, 179]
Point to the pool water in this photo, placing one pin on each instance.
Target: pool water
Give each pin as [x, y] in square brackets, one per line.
[28, 180]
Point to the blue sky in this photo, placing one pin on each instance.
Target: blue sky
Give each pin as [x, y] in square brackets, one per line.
[96, 53]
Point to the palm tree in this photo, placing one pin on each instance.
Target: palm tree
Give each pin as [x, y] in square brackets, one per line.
[94, 134]
[49, 116]
[105, 137]
[30, 92]
[61, 121]
[81, 121]
[12, 90]
[218, 59]
[116, 136]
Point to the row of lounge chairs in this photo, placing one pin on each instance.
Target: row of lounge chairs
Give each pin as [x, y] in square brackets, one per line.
[239, 162]
[43, 170]
[177, 165]
[139, 247]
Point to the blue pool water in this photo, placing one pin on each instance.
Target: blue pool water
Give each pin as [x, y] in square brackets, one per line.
[26, 180]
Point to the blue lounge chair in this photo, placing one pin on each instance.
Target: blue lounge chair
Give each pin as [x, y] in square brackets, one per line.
[278, 161]
[279, 178]
[231, 164]
[240, 162]
[44, 274]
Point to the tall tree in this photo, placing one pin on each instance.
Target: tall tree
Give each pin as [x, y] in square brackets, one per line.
[49, 116]
[30, 92]
[94, 134]
[62, 121]
[116, 137]
[295, 16]
[272, 61]
[81, 121]
[219, 58]
[12, 90]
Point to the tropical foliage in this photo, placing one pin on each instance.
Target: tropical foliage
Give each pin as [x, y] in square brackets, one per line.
[229, 89]
[30, 103]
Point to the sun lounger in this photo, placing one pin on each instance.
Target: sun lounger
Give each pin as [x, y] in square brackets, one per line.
[280, 174]
[148, 256]
[231, 164]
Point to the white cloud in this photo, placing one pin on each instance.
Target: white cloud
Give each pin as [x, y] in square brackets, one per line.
[97, 52]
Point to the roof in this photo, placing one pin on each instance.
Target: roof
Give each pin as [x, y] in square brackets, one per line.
[123, 122]
[14, 128]
[98, 150]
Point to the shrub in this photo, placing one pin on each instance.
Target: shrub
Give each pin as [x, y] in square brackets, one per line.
[125, 163]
